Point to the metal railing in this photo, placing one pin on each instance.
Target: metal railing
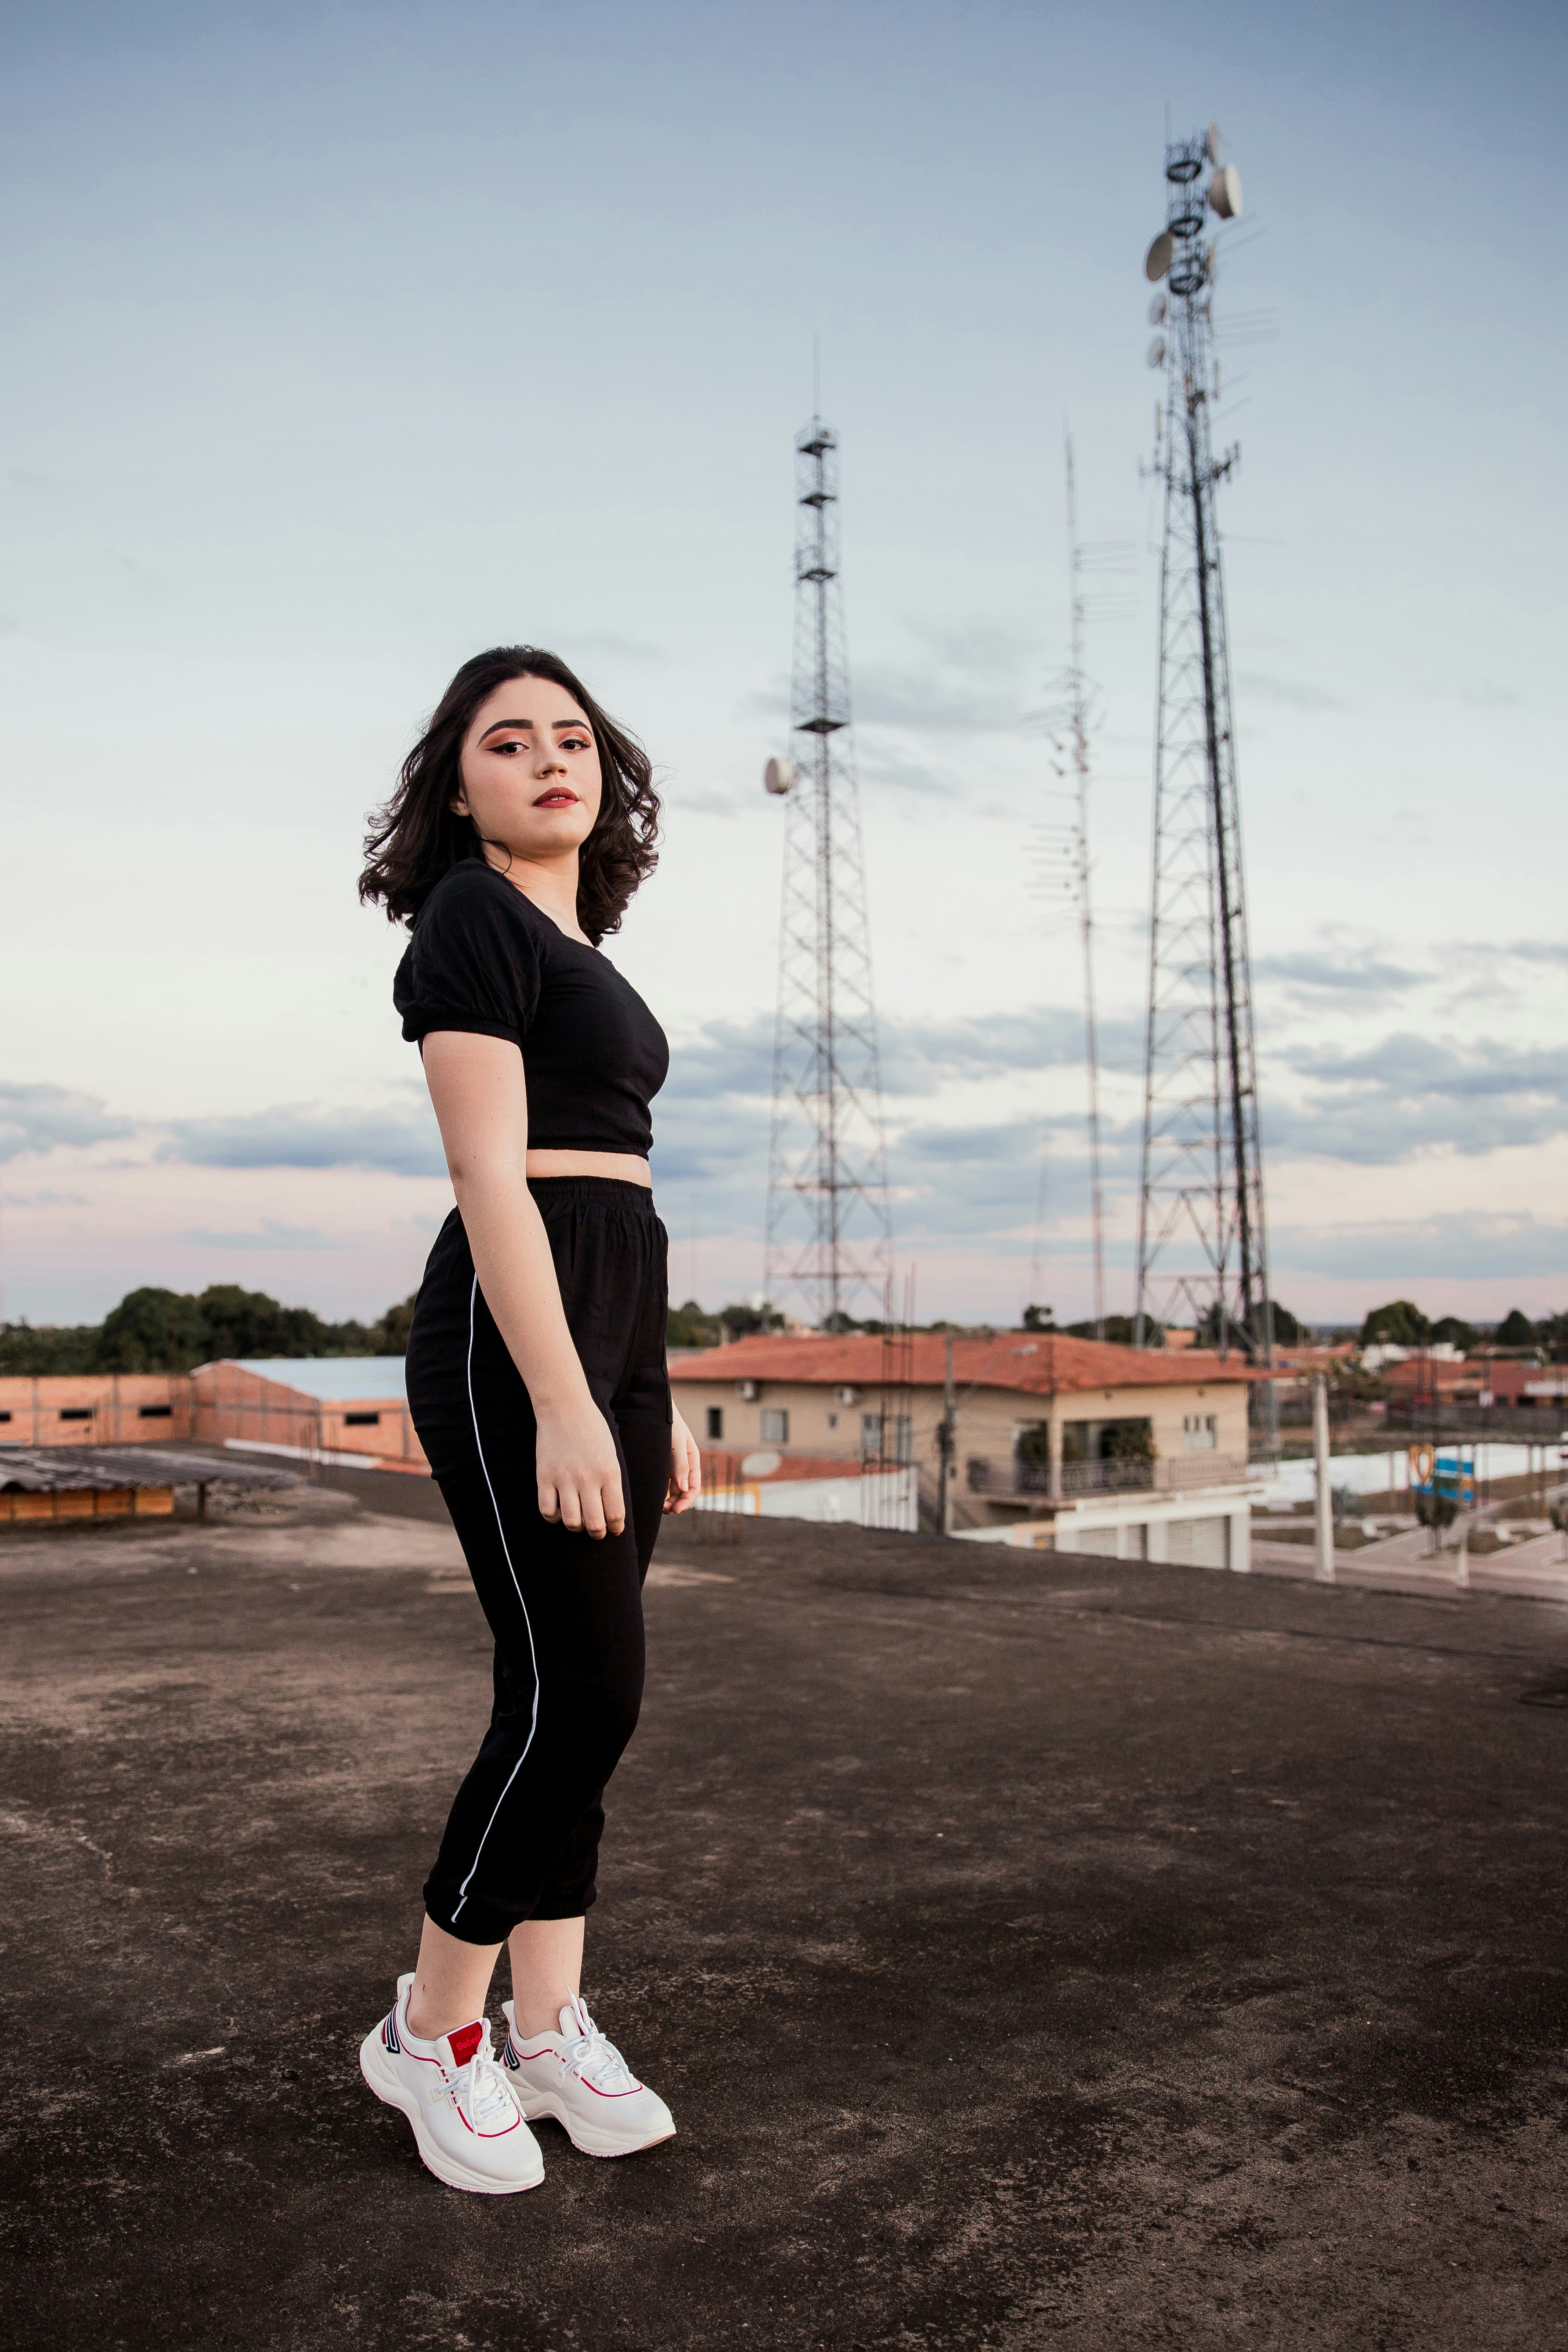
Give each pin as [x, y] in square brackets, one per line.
[1003, 1479]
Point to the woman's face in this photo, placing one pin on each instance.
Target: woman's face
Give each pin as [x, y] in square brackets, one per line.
[531, 776]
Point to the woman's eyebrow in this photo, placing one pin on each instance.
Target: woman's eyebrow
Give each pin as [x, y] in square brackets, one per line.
[501, 725]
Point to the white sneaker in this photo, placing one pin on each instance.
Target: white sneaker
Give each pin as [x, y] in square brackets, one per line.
[466, 2121]
[583, 2082]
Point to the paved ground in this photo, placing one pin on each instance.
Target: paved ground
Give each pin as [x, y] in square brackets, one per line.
[1035, 1951]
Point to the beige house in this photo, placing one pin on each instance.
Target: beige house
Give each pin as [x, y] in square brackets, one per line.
[1061, 1444]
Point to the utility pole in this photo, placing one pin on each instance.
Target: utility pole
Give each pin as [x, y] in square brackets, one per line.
[947, 1437]
[1200, 1229]
[829, 1230]
[1323, 1530]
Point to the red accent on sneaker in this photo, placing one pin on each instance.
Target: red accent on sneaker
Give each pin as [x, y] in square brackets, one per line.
[465, 2041]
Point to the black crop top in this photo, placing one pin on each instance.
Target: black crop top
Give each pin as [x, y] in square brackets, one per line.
[485, 960]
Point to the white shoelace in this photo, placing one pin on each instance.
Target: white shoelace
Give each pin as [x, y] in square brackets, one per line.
[597, 2060]
[480, 2091]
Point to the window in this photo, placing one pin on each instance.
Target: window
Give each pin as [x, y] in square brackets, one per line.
[155, 1412]
[900, 1445]
[833, 1421]
[5, 1416]
[76, 1411]
[715, 1421]
[776, 1425]
[1200, 1433]
[362, 1419]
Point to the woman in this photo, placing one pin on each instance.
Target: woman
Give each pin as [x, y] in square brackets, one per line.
[522, 823]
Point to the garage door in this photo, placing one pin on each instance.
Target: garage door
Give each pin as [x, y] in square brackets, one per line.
[1199, 1543]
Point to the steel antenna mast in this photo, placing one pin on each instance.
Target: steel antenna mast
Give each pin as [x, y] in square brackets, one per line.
[1067, 868]
[1078, 745]
[828, 1234]
[1201, 1231]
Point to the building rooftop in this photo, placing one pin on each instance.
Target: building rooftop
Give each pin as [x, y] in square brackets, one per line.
[1042, 1364]
[1102, 1955]
[331, 1378]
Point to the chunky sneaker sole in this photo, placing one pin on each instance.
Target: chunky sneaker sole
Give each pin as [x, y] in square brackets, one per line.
[383, 2062]
[581, 2080]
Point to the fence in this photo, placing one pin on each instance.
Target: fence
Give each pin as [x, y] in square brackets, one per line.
[1001, 1476]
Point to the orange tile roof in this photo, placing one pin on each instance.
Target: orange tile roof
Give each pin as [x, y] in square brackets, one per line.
[738, 1466]
[1043, 1365]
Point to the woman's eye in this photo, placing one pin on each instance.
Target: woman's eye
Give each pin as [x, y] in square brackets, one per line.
[574, 742]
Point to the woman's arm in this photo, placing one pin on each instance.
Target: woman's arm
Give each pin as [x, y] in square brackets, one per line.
[482, 1103]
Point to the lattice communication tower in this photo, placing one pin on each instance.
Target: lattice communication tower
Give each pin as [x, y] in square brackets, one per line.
[1067, 868]
[1202, 1241]
[829, 1236]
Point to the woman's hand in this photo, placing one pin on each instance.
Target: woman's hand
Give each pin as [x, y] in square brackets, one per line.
[579, 1472]
[685, 1468]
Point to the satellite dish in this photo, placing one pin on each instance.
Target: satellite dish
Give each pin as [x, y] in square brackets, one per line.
[1155, 354]
[778, 776]
[1225, 192]
[1157, 260]
[1212, 143]
[1157, 311]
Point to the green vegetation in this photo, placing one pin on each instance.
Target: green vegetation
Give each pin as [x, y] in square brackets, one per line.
[154, 1331]
[1400, 1324]
[1288, 1332]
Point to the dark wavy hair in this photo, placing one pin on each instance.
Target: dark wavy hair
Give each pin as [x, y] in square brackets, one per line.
[420, 835]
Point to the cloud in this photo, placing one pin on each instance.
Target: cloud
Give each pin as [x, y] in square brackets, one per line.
[1471, 1244]
[399, 1140]
[1409, 1093]
[43, 1117]
[920, 701]
[271, 1236]
[1357, 974]
[1284, 693]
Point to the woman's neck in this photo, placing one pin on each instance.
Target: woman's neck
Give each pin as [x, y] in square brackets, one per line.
[551, 884]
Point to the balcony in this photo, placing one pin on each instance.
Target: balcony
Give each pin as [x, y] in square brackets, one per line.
[1003, 1479]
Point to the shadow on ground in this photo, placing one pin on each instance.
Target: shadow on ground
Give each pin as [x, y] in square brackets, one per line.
[1034, 1951]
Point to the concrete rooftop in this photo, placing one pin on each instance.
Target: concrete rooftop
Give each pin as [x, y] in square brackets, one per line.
[1035, 1951]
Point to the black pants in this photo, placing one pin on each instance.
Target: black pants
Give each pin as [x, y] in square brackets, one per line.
[523, 1840]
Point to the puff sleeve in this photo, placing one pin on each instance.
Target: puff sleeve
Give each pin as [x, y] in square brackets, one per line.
[473, 963]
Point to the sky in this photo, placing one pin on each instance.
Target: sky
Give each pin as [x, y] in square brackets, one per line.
[345, 341]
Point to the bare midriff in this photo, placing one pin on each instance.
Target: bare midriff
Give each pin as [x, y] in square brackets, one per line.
[625, 1167]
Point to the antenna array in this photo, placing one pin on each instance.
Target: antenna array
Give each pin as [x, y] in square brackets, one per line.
[1200, 1232]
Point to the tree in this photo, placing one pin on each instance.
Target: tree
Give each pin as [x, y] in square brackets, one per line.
[249, 1323]
[744, 1322]
[1456, 1332]
[688, 1327]
[1400, 1324]
[53, 1350]
[390, 1336]
[1040, 1319]
[1119, 1331]
[1515, 1331]
[152, 1331]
